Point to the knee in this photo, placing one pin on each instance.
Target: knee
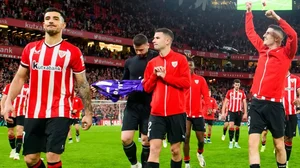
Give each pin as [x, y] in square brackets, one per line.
[126, 140]
[145, 141]
[11, 132]
[155, 149]
[279, 146]
[31, 159]
[53, 157]
[19, 131]
[175, 150]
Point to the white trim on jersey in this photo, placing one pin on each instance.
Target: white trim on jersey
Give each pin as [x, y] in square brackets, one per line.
[39, 82]
[61, 111]
[51, 81]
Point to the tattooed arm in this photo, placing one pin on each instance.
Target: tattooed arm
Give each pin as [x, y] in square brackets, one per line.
[84, 90]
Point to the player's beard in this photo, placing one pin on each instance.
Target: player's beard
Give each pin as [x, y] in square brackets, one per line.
[52, 32]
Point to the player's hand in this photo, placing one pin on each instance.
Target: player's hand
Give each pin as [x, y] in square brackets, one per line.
[209, 111]
[160, 71]
[244, 117]
[272, 15]
[93, 89]
[248, 6]
[296, 102]
[86, 122]
[74, 111]
[8, 109]
[223, 116]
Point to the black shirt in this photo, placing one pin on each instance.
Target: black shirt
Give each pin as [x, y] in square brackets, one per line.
[134, 70]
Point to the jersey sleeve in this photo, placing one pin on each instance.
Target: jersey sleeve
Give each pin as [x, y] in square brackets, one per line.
[6, 89]
[244, 95]
[25, 61]
[228, 95]
[298, 82]
[77, 63]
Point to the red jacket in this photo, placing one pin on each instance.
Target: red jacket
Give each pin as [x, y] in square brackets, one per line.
[273, 65]
[168, 93]
[212, 105]
[194, 96]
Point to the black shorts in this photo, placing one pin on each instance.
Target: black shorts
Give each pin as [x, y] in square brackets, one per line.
[226, 119]
[74, 121]
[197, 123]
[266, 114]
[136, 117]
[290, 125]
[209, 122]
[235, 117]
[174, 126]
[17, 121]
[45, 135]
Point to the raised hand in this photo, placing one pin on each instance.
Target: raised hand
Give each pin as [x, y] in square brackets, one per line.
[272, 15]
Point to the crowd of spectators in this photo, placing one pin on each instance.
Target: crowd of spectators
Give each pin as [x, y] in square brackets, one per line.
[193, 28]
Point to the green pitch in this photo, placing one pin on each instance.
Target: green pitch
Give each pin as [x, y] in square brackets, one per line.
[100, 147]
[271, 5]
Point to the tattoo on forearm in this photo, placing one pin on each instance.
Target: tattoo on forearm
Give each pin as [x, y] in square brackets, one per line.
[84, 90]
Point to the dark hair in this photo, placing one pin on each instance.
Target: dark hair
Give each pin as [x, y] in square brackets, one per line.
[51, 9]
[140, 39]
[166, 31]
[277, 28]
[236, 81]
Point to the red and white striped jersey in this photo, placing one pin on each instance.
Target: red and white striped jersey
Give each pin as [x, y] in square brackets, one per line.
[20, 101]
[235, 100]
[292, 83]
[51, 83]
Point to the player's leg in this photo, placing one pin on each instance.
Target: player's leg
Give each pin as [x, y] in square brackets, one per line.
[186, 146]
[19, 141]
[12, 137]
[144, 119]
[210, 124]
[199, 128]
[130, 124]
[70, 131]
[255, 127]
[225, 127]
[237, 123]
[176, 131]
[156, 131]
[263, 140]
[56, 131]
[34, 142]
[276, 117]
[290, 132]
[77, 130]
[231, 117]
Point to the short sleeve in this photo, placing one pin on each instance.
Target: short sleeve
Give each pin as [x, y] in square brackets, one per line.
[6, 89]
[25, 62]
[228, 95]
[77, 63]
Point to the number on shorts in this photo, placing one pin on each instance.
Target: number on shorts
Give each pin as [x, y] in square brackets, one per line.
[149, 128]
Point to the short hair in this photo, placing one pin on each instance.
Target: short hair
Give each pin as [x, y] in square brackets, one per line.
[278, 28]
[166, 31]
[236, 81]
[51, 9]
[140, 39]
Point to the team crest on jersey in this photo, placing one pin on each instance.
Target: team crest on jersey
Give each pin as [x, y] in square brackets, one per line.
[196, 81]
[293, 80]
[174, 63]
[62, 53]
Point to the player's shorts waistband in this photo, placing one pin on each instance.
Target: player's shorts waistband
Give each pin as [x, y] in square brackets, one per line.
[267, 98]
[194, 116]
